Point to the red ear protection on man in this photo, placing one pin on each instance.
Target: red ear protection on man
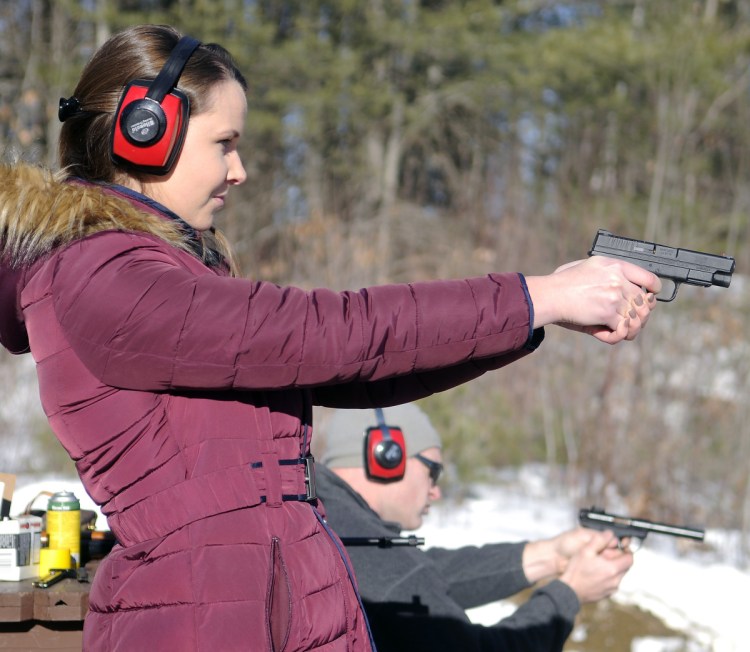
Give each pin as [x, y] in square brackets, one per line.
[385, 451]
[152, 116]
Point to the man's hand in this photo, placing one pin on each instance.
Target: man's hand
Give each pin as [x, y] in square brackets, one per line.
[595, 572]
[548, 558]
[568, 544]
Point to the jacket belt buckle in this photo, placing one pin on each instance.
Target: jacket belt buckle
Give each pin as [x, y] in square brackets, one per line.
[311, 494]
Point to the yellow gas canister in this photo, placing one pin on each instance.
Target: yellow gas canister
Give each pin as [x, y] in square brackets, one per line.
[64, 523]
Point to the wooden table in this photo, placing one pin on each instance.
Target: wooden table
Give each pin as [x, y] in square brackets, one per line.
[44, 619]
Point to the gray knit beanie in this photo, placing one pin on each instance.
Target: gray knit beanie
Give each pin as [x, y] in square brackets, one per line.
[344, 436]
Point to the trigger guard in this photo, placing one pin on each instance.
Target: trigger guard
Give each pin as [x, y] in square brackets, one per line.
[672, 296]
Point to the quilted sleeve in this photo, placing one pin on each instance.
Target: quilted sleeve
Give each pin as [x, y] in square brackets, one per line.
[141, 318]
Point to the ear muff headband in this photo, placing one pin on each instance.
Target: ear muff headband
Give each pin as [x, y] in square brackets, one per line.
[169, 75]
[385, 451]
[151, 118]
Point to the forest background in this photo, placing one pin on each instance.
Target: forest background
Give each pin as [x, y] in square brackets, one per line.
[399, 140]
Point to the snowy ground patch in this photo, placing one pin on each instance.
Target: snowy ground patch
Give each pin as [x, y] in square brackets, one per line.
[694, 592]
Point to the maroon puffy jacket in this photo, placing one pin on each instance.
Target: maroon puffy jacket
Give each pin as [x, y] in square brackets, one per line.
[185, 398]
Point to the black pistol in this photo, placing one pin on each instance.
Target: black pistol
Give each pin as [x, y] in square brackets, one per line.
[670, 263]
[624, 527]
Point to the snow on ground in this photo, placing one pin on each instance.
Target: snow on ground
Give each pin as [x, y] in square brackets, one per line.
[695, 592]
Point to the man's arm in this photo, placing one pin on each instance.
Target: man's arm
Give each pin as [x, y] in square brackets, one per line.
[479, 575]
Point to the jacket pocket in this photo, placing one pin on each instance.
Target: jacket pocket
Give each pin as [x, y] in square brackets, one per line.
[278, 600]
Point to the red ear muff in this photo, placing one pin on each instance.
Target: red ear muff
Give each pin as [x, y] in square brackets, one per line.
[385, 452]
[149, 135]
[152, 116]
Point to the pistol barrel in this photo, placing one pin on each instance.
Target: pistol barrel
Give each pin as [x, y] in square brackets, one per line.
[635, 527]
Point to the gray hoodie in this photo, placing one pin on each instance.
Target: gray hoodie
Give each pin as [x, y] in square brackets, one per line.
[415, 599]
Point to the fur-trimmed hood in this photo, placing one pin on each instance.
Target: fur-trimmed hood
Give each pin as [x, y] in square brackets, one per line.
[40, 211]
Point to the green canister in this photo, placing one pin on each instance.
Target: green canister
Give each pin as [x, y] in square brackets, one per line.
[64, 523]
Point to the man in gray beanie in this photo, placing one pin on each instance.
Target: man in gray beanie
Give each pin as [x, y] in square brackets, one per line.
[405, 501]
[416, 599]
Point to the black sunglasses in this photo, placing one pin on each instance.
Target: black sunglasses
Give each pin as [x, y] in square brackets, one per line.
[435, 468]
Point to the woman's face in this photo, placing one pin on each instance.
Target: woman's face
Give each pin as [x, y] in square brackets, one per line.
[209, 163]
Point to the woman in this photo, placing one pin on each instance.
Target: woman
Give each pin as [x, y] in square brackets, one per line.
[184, 394]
